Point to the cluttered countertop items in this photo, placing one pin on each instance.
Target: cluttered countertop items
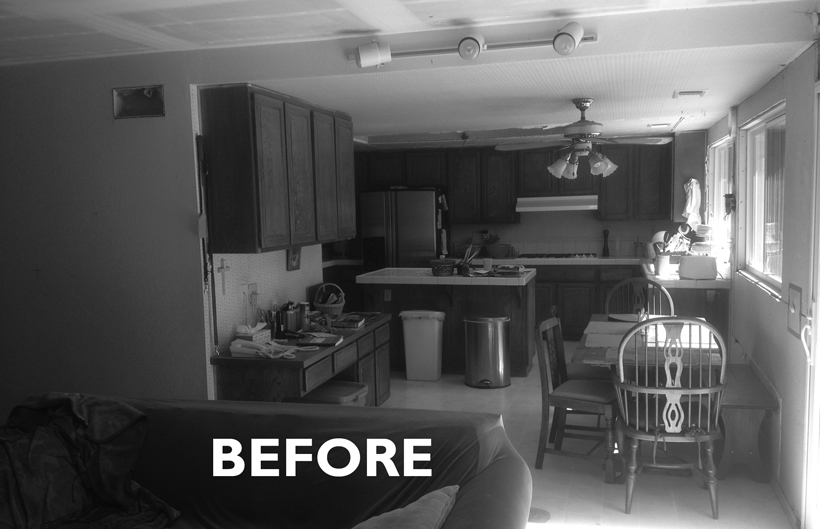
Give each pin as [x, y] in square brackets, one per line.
[283, 331]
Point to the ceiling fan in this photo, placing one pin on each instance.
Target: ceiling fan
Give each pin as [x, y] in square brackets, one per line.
[578, 138]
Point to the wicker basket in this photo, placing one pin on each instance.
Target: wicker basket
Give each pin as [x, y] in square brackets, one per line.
[331, 309]
[443, 267]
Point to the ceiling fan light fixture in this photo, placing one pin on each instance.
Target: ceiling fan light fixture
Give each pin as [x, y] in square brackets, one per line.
[373, 54]
[557, 168]
[568, 38]
[601, 165]
[471, 46]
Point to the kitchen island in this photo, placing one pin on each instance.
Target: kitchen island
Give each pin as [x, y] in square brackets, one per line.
[393, 290]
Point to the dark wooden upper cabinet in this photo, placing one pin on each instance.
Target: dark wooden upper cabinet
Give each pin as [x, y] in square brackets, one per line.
[274, 207]
[243, 138]
[583, 184]
[300, 174]
[615, 197]
[325, 184]
[345, 179]
[534, 178]
[465, 181]
[386, 170]
[641, 187]
[498, 186]
[426, 169]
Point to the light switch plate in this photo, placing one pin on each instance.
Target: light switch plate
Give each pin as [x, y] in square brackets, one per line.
[793, 309]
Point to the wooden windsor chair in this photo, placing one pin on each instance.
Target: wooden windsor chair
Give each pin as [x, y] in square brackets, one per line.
[670, 378]
[637, 295]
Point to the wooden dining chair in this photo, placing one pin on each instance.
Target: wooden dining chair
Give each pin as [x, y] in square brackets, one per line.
[636, 294]
[670, 377]
[591, 396]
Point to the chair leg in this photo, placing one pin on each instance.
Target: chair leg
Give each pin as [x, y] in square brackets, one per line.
[609, 464]
[542, 440]
[558, 417]
[711, 480]
[631, 467]
[559, 421]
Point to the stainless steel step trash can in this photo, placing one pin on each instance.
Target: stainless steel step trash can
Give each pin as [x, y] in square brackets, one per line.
[423, 332]
[486, 343]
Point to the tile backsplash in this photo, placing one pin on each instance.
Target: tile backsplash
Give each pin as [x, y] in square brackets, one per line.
[565, 232]
[275, 284]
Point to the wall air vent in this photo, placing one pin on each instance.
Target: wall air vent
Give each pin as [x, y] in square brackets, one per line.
[688, 93]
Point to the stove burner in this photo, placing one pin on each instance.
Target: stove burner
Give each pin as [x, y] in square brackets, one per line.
[557, 256]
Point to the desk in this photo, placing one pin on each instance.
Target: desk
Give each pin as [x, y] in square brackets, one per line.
[363, 355]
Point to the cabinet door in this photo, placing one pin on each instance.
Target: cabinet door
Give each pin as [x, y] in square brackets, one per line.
[386, 170]
[382, 373]
[584, 184]
[345, 179]
[324, 167]
[615, 196]
[498, 186]
[366, 374]
[427, 169]
[544, 301]
[300, 175]
[534, 180]
[465, 179]
[576, 305]
[652, 182]
[272, 174]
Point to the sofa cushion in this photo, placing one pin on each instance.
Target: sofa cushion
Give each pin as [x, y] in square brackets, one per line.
[428, 512]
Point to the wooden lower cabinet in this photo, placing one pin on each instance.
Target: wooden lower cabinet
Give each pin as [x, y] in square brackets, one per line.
[373, 365]
[576, 305]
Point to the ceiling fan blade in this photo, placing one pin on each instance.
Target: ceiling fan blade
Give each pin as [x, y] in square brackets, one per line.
[637, 140]
[530, 145]
[553, 130]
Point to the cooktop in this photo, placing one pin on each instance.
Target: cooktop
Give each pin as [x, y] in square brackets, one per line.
[557, 256]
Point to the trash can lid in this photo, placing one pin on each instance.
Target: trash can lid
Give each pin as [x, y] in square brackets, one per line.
[421, 314]
[486, 319]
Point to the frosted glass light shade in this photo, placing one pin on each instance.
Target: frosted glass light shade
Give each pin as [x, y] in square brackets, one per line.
[557, 168]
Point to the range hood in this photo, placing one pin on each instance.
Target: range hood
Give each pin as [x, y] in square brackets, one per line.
[566, 203]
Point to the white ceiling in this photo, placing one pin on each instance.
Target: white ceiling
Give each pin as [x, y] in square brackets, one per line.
[645, 50]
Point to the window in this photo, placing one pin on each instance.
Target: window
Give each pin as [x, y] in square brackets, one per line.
[765, 163]
[718, 213]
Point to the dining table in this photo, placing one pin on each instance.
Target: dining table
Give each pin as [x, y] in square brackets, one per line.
[746, 406]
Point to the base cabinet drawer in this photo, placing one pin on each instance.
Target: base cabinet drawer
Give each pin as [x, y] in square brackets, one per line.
[318, 373]
[344, 357]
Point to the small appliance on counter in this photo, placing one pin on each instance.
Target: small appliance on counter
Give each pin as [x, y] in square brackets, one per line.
[697, 267]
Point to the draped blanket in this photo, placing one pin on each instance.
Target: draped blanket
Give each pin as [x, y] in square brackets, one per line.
[66, 461]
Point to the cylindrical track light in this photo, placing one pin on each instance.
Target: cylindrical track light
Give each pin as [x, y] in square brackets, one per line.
[471, 46]
[568, 38]
[373, 54]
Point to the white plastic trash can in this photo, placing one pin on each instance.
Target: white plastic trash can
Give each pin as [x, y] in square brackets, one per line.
[423, 330]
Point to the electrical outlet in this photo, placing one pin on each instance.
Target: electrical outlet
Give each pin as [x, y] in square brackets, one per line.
[253, 294]
[388, 294]
[793, 309]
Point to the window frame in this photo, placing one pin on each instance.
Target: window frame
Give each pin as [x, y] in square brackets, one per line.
[770, 283]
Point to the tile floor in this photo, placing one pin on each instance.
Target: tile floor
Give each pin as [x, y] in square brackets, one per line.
[572, 490]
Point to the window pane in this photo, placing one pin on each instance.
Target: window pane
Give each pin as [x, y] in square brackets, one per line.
[765, 164]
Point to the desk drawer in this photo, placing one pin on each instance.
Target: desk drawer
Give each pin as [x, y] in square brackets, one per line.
[382, 334]
[366, 345]
[344, 357]
[318, 373]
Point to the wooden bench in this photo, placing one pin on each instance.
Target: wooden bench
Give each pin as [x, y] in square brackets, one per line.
[746, 403]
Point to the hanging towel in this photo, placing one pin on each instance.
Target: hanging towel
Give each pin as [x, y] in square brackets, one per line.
[691, 212]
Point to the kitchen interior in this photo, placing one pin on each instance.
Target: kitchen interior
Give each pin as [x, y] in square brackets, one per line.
[146, 223]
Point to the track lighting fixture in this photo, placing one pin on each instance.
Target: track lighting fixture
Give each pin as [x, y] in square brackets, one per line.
[568, 38]
[373, 54]
[471, 46]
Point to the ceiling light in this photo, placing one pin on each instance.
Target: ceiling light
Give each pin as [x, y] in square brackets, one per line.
[568, 38]
[571, 171]
[471, 46]
[373, 54]
[557, 168]
[601, 165]
[658, 125]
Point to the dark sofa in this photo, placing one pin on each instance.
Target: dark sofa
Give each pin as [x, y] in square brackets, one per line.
[470, 450]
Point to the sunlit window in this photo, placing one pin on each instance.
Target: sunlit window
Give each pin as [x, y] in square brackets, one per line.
[719, 207]
[765, 163]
